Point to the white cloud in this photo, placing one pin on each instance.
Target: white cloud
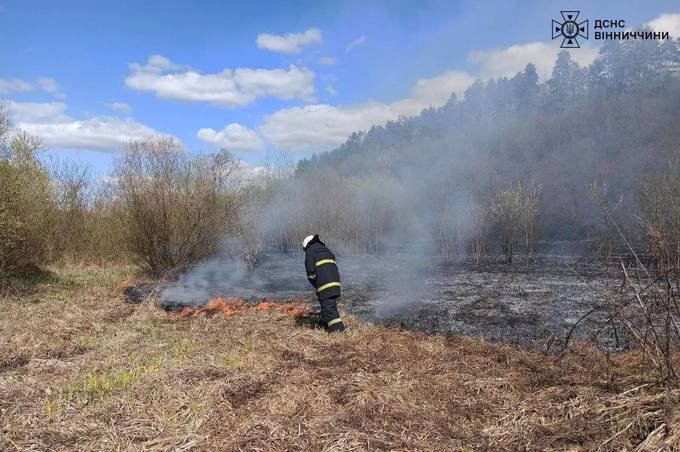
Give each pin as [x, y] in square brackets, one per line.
[49, 85]
[35, 112]
[669, 22]
[327, 60]
[15, 85]
[321, 127]
[159, 63]
[233, 137]
[507, 62]
[361, 40]
[248, 174]
[437, 90]
[57, 130]
[289, 43]
[120, 107]
[100, 133]
[229, 88]
[433, 92]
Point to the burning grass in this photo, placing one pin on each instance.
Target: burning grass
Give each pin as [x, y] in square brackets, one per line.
[84, 371]
[233, 306]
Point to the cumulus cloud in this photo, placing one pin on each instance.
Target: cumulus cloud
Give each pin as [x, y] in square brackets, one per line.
[322, 127]
[229, 88]
[507, 62]
[361, 40]
[433, 92]
[100, 133]
[36, 112]
[233, 137]
[289, 43]
[49, 122]
[120, 107]
[669, 22]
[15, 85]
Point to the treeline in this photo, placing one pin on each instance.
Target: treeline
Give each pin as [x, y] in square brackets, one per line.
[509, 163]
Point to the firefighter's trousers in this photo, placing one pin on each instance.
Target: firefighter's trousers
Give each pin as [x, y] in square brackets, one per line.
[330, 317]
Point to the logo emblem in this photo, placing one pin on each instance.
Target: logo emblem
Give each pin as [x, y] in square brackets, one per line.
[569, 29]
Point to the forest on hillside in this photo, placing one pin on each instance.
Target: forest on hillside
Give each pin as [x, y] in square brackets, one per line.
[511, 162]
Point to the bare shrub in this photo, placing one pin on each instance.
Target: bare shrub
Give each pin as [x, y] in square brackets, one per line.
[26, 202]
[645, 306]
[71, 184]
[176, 208]
[480, 234]
[460, 229]
[661, 206]
[516, 209]
[87, 217]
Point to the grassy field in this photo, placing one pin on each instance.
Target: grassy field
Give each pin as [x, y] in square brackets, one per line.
[82, 370]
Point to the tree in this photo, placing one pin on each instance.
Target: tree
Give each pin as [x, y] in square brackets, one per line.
[525, 87]
[567, 83]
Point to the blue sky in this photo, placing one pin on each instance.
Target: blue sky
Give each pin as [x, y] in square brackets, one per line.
[260, 76]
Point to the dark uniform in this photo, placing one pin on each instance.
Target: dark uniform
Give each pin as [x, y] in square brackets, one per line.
[323, 274]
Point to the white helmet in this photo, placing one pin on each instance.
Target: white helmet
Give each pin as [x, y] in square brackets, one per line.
[306, 241]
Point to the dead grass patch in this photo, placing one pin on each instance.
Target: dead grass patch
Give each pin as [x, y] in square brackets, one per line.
[89, 372]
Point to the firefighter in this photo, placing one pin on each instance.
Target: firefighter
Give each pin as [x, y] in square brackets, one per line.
[322, 273]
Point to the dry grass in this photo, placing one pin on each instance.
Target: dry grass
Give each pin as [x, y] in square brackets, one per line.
[81, 370]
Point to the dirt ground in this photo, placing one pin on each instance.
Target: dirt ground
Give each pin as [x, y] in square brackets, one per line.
[80, 369]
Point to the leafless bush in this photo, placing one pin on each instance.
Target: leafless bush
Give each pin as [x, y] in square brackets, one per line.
[645, 306]
[661, 205]
[71, 184]
[87, 216]
[176, 209]
[516, 209]
[104, 225]
[461, 229]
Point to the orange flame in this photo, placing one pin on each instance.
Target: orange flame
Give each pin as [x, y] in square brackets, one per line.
[232, 306]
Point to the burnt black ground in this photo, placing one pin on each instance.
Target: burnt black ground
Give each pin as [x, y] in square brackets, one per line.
[524, 303]
[138, 293]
